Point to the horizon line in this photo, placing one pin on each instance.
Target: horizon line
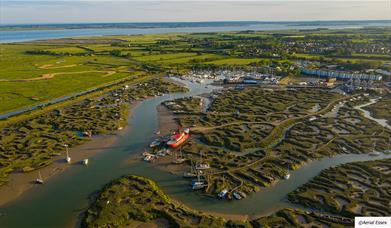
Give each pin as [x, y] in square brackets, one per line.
[190, 22]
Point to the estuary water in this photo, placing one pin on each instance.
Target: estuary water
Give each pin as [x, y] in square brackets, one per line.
[30, 35]
[62, 198]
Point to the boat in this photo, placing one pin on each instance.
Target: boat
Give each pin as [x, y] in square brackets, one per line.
[192, 172]
[87, 134]
[201, 166]
[237, 196]
[222, 193]
[389, 149]
[155, 143]
[180, 159]
[67, 158]
[198, 184]
[374, 152]
[39, 180]
[178, 138]
[149, 158]
[189, 174]
[287, 176]
[85, 161]
[161, 153]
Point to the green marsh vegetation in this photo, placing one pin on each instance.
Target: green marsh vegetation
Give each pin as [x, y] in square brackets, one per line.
[136, 201]
[353, 189]
[31, 144]
[253, 137]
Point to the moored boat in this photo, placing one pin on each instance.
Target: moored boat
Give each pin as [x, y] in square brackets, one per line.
[222, 193]
[202, 166]
[178, 138]
[155, 143]
[189, 174]
[237, 196]
[85, 161]
[39, 180]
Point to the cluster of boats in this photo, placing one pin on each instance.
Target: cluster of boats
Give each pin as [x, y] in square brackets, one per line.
[165, 145]
[173, 141]
[236, 195]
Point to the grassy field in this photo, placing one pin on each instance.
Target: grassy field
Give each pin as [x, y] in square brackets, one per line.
[34, 72]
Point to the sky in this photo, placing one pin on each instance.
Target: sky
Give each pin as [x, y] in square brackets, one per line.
[90, 11]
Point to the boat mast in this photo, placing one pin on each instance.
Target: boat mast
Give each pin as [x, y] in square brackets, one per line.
[66, 149]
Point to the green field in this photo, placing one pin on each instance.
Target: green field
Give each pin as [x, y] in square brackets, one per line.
[35, 72]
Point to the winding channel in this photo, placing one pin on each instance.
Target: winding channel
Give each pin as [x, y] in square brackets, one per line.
[368, 115]
[60, 201]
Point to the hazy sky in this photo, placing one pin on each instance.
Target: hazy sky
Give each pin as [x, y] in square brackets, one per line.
[33, 11]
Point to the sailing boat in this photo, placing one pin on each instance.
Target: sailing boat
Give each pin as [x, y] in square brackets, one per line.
[388, 151]
[85, 161]
[68, 158]
[198, 184]
[192, 172]
[374, 152]
[39, 180]
[202, 165]
[179, 160]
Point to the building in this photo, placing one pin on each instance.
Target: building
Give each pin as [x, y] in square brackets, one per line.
[341, 74]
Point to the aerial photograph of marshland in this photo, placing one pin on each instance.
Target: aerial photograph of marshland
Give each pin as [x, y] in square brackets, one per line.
[239, 114]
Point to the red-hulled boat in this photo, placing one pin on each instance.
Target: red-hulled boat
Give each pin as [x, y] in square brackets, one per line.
[178, 138]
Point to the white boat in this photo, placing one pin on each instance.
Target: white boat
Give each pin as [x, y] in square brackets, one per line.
[155, 143]
[287, 176]
[223, 193]
[374, 152]
[67, 158]
[237, 196]
[189, 174]
[149, 158]
[39, 180]
[202, 166]
[198, 185]
[180, 159]
[85, 161]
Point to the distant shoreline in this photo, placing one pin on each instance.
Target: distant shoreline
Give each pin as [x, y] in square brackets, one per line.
[151, 25]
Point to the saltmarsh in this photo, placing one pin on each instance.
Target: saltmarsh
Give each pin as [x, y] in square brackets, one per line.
[31, 144]
[253, 137]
